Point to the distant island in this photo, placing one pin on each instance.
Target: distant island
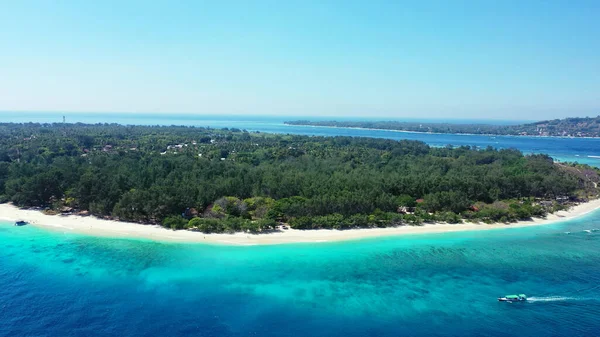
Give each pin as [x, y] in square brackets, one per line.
[231, 180]
[568, 127]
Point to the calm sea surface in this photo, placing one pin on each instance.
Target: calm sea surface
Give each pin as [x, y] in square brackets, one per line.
[60, 284]
[57, 284]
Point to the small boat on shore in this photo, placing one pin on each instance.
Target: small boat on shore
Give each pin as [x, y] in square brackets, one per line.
[513, 298]
[21, 223]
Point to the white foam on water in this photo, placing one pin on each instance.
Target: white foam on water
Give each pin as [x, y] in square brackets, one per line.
[550, 299]
[560, 299]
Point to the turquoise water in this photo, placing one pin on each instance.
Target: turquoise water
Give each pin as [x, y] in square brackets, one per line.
[57, 284]
[564, 149]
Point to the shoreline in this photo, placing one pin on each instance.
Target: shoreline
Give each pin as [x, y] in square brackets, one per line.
[89, 225]
[439, 133]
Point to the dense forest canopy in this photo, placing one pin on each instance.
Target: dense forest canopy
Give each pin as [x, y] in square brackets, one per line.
[568, 127]
[231, 180]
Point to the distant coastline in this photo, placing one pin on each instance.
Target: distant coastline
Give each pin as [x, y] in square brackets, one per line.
[561, 128]
[439, 133]
[93, 226]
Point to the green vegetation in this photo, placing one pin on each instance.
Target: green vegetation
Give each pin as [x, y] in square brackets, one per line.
[569, 127]
[232, 180]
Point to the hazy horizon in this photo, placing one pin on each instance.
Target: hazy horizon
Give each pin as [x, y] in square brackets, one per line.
[411, 117]
[434, 60]
[251, 116]
[56, 117]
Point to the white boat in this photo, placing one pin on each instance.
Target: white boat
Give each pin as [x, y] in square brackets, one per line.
[513, 298]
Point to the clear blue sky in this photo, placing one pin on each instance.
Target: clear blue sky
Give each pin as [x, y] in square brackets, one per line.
[454, 59]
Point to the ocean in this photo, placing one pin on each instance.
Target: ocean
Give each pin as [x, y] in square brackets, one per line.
[64, 284]
[585, 151]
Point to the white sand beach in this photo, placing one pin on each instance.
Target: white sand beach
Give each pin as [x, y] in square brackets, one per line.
[99, 227]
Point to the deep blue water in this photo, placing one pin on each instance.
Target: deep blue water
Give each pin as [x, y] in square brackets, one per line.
[57, 284]
[563, 149]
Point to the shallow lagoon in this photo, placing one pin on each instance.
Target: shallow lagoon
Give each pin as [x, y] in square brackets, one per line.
[443, 284]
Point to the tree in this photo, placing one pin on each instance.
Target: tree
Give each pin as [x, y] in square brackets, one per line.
[175, 222]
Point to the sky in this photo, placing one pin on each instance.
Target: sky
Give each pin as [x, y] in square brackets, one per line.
[431, 59]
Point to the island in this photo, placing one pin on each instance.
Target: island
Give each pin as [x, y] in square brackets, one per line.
[568, 127]
[233, 181]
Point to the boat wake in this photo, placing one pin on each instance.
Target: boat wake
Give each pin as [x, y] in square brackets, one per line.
[589, 231]
[559, 299]
[551, 299]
